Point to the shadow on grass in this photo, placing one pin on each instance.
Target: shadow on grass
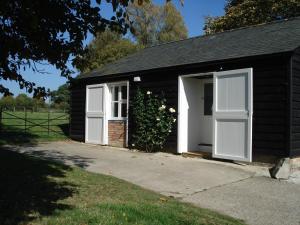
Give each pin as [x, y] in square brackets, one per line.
[29, 187]
[16, 136]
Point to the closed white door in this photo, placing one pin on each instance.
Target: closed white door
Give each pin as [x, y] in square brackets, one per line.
[232, 115]
[95, 114]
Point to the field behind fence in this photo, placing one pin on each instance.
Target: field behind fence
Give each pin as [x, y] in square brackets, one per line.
[26, 124]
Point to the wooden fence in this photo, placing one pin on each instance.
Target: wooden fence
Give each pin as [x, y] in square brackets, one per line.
[41, 123]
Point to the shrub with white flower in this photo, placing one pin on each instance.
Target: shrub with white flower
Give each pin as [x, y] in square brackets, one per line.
[162, 107]
[172, 110]
[152, 123]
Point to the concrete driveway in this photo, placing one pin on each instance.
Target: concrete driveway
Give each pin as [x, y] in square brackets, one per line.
[236, 190]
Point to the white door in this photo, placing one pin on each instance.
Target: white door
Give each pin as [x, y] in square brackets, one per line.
[232, 115]
[95, 114]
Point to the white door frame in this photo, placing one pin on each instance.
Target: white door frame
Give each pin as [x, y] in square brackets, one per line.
[182, 125]
[245, 115]
[104, 140]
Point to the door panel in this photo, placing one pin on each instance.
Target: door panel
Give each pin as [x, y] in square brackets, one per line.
[232, 94]
[232, 115]
[233, 142]
[95, 114]
[95, 101]
[95, 132]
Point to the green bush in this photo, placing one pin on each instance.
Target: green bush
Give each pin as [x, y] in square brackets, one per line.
[153, 121]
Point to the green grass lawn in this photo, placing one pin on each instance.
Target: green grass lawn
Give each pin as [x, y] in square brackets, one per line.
[34, 191]
[13, 127]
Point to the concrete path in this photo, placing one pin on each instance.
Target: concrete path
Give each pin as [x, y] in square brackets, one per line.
[236, 190]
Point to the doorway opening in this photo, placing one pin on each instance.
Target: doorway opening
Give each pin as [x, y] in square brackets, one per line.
[198, 102]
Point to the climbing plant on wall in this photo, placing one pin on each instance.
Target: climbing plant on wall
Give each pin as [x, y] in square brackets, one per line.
[153, 121]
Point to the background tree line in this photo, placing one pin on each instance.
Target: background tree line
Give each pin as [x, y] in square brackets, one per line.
[59, 100]
[21, 102]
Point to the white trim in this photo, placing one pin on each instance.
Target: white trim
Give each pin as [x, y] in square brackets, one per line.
[198, 75]
[181, 122]
[127, 113]
[105, 121]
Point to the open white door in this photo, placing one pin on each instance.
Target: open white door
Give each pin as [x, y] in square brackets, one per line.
[95, 114]
[232, 115]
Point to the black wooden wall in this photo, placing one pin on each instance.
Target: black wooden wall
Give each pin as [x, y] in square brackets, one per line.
[77, 112]
[295, 105]
[270, 118]
[270, 107]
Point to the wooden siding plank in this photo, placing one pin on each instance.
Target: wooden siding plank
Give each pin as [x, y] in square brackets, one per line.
[295, 107]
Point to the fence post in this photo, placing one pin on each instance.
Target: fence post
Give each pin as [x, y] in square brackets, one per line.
[25, 119]
[48, 122]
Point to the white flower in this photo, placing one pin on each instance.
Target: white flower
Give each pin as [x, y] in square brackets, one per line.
[174, 120]
[170, 131]
[132, 145]
[149, 92]
[172, 110]
[157, 119]
[162, 107]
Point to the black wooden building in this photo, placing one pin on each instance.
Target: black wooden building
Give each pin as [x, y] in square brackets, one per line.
[252, 73]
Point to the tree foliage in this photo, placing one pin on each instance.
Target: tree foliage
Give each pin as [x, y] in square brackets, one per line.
[107, 47]
[23, 101]
[173, 27]
[52, 31]
[60, 98]
[153, 24]
[241, 13]
[7, 102]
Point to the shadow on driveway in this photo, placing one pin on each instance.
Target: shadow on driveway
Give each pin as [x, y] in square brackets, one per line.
[58, 156]
[29, 187]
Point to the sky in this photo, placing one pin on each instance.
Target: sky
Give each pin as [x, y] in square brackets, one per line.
[193, 12]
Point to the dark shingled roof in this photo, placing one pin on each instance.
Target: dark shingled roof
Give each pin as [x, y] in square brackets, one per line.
[275, 37]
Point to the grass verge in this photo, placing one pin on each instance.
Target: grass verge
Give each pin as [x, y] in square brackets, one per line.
[35, 191]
